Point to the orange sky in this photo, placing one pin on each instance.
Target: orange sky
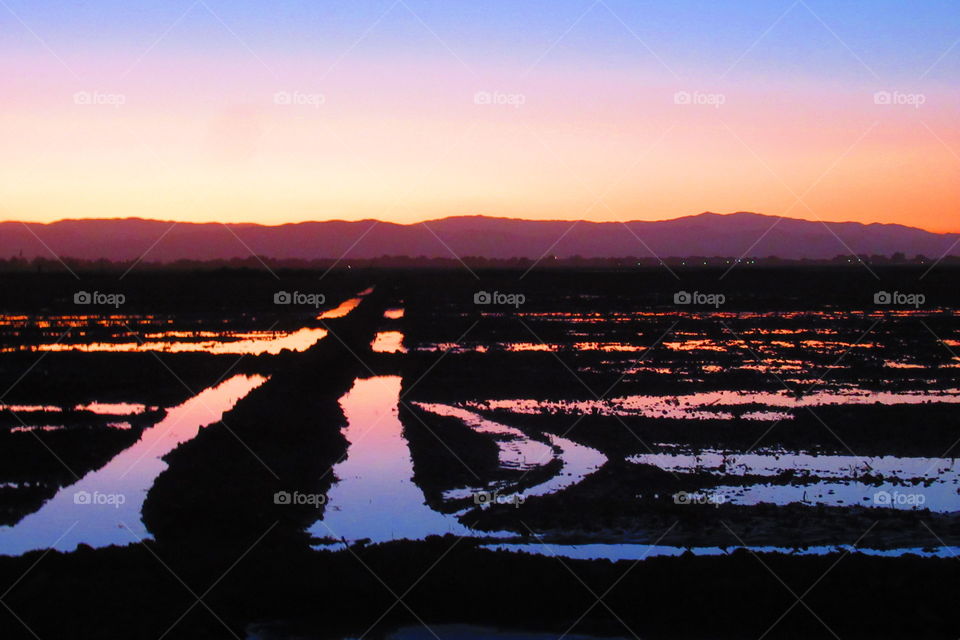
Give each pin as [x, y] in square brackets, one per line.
[218, 136]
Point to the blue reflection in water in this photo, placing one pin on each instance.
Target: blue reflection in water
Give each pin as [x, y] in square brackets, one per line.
[103, 508]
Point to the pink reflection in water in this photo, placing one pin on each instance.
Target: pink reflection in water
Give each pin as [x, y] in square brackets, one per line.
[103, 507]
[375, 496]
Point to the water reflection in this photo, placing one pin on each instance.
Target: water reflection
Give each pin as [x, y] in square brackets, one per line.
[375, 496]
[46, 427]
[883, 482]
[516, 449]
[103, 508]
[773, 463]
[179, 341]
[522, 452]
[696, 406]
[113, 408]
[345, 307]
[388, 342]
[939, 497]
[341, 309]
[636, 552]
[249, 343]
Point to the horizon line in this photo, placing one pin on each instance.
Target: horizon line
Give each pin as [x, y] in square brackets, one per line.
[477, 215]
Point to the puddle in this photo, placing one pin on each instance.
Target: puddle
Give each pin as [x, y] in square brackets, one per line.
[521, 452]
[250, 343]
[374, 495]
[517, 450]
[345, 307]
[113, 409]
[940, 497]
[637, 552]
[697, 406]
[29, 428]
[889, 482]
[213, 342]
[765, 463]
[341, 309]
[103, 508]
[388, 342]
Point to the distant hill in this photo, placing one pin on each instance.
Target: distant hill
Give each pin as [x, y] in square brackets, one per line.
[706, 234]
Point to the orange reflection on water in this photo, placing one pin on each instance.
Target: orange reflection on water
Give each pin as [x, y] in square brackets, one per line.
[261, 343]
[341, 309]
[26, 408]
[113, 408]
[80, 320]
[528, 346]
[28, 428]
[393, 314]
[695, 345]
[388, 342]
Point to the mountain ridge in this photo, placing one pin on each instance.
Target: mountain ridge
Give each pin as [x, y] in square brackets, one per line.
[705, 234]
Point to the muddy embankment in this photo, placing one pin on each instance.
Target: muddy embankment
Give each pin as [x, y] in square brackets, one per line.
[127, 593]
[218, 494]
[216, 499]
[47, 443]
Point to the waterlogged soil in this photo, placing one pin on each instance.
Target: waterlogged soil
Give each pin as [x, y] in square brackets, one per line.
[217, 529]
[443, 581]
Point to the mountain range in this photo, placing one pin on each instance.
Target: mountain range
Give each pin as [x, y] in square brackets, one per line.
[705, 234]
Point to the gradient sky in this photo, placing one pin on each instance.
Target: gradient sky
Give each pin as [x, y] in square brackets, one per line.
[384, 120]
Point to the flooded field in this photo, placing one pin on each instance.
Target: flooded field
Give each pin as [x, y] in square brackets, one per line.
[597, 421]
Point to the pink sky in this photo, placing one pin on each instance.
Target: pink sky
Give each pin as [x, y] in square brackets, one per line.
[201, 137]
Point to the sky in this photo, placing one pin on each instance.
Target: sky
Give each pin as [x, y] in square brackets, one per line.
[406, 110]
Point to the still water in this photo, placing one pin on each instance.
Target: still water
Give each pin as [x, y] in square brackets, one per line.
[104, 507]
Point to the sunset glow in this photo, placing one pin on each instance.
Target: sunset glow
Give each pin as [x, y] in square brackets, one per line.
[407, 111]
